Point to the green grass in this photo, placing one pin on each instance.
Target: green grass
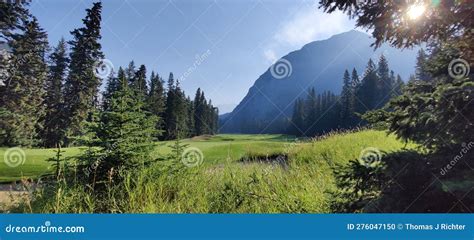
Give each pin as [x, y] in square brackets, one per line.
[216, 149]
[222, 183]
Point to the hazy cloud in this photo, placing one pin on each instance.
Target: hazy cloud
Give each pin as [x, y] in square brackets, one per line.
[306, 26]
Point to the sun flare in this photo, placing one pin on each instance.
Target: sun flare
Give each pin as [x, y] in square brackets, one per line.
[415, 11]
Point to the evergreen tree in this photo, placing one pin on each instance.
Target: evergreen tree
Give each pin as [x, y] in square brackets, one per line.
[139, 82]
[367, 92]
[156, 101]
[53, 126]
[355, 78]
[421, 71]
[384, 83]
[113, 85]
[297, 120]
[198, 113]
[125, 134]
[399, 85]
[311, 113]
[21, 104]
[82, 85]
[12, 18]
[176, 112]
[130, 72]
[347, 99]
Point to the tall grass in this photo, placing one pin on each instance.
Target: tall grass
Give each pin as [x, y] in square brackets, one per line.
[226, 187]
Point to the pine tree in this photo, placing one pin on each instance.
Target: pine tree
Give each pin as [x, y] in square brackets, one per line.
[113, 85]
[198, 113]
[399, 85]
[130, 72]
[156, 101]
[384, 83]
[125, 134]
[12, 18]
[367, 92]
[22, 96]
[139, 82]
[175, 113]
[421, 71]
[346, 100]
[297, 121]
[82, 85]
[53, 123]
[311, 113]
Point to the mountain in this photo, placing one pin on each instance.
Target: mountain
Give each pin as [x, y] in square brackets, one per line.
[269, 102]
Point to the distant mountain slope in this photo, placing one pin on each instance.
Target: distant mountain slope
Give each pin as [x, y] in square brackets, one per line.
[320, 64]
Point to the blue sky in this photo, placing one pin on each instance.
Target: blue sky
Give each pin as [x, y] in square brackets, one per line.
[221, 46]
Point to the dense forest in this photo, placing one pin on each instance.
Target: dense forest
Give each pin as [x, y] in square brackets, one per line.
[325, 112]
[52, 97]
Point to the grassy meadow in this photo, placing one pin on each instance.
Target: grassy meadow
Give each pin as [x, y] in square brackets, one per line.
[222, 183]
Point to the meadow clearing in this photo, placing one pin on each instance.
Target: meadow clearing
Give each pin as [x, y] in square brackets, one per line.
[224, 182]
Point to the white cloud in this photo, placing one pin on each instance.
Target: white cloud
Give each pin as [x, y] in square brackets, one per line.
[304, 27]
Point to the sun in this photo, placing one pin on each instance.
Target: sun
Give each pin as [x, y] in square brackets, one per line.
[415, 11]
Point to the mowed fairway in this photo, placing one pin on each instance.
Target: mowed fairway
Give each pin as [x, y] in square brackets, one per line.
[216, 149]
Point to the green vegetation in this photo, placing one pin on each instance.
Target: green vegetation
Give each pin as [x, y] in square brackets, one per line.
[223, 183]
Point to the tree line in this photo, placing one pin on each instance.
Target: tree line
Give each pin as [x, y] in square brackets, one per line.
[52, 97]
[320, 113]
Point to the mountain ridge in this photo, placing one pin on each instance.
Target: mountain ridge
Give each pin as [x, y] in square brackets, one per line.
[268, 103]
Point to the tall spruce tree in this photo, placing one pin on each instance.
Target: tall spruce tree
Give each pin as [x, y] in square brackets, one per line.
[125, 134]
[367, 92]
[311, 113]
[112, 85]
[347, 99]
[22, 95]
[53, 123]
[156, 101]
[82, 85]
[139, 81]
[384, 84]
[421, 71]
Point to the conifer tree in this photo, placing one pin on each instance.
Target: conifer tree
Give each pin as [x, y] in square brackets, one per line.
[421, 71]
[53, 123]
[346, 100]
[311, 113]
[139, 82]
[125, 133]
[111, 87]
[156, 101]
[21, 104]
[384, 83]
[367, 92]
[82, 85]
